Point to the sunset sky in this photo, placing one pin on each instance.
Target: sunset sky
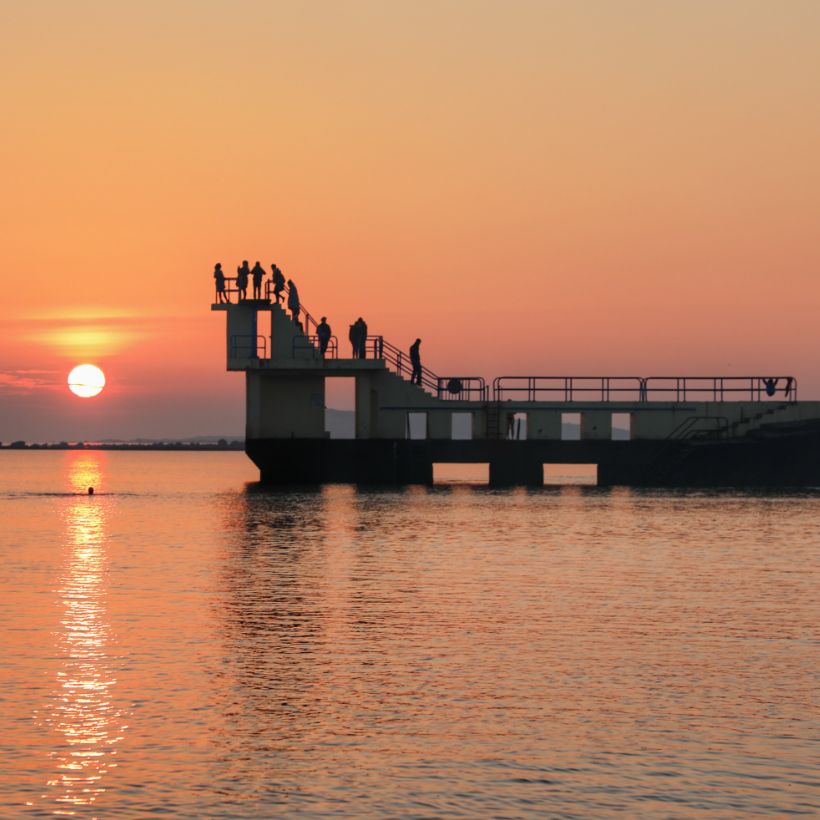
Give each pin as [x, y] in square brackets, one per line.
[531, 187]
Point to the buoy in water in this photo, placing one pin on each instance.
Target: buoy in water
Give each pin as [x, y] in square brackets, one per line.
[91, 491]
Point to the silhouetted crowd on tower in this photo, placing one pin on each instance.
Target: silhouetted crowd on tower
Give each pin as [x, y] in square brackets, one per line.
[277, 285]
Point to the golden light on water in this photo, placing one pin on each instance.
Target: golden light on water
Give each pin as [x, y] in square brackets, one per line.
[86, 380]
[83, 714]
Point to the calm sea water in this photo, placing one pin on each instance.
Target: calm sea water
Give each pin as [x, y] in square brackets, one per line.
[186, 643]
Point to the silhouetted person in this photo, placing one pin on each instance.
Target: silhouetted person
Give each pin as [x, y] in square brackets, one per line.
[771, 386]
[642, 392]
[293, 301]
[362, 336]
[415, 360]
[787, 390]
[242, 274]
[258, 274]
[219, 278]
[278, 283]
[323, 333]
[353, 335]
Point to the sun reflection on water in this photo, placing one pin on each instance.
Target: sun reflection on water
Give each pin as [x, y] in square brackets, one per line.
[82, 711]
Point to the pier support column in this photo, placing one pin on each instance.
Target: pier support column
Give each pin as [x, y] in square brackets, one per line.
[241, 335]
[366, 406]
[516, 467]
[289, 407]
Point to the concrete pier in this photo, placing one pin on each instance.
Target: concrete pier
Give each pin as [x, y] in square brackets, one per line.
[652, 431]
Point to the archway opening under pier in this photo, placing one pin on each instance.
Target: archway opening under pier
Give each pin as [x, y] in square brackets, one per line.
[556, 475]
[461, 473]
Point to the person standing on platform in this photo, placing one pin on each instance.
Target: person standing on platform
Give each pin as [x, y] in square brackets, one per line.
[242, 274]
[415, 360]
[352, 334]
[323, 332]
[293, 301]
[258, 274]
[278, 283]
[362, 336]
[219, 278]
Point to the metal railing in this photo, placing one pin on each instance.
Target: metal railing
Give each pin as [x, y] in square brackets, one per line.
[721, 388]
[304, 342]
[568, 388]
[248, 347]
[644, 389]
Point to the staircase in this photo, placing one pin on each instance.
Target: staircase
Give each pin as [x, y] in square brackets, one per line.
[742, 427]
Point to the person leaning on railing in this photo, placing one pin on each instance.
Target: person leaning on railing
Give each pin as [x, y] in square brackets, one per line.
[323, 332]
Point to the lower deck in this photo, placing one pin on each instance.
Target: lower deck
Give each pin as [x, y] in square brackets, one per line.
[789, 457]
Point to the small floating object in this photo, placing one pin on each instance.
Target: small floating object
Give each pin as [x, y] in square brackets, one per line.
[91, 491]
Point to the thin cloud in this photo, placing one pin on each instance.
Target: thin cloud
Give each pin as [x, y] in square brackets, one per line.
[26, 382]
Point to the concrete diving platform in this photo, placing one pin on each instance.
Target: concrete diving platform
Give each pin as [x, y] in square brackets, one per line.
[638, 430]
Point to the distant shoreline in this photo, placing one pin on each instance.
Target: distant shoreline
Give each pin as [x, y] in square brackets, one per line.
[134, 446]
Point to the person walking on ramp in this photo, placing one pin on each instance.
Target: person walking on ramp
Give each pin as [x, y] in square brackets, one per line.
[293, 301]
[415, 360]
[258, 274]
[278, 282]
[323, 332]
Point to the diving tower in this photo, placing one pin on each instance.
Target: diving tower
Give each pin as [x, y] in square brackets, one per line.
[681, 431]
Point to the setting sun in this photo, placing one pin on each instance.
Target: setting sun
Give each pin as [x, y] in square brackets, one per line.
[86, 380]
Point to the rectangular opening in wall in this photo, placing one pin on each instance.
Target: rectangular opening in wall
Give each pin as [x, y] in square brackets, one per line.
[340, 407]
[517, 426]
[461, 426]
[579, 474]
[621, 426]
[570, 426]
[417, 425]
[448, 473]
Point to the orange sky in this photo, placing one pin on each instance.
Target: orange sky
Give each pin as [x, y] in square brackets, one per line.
[531, 187]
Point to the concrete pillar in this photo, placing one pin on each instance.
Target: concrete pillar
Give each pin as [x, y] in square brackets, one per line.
[366, 406]
[284, 406]
[241, 334]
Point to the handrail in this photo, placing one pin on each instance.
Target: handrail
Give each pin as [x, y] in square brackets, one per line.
[305, 342]
[644, 389]
[242, 347]
[570, 388]
[722, 388]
